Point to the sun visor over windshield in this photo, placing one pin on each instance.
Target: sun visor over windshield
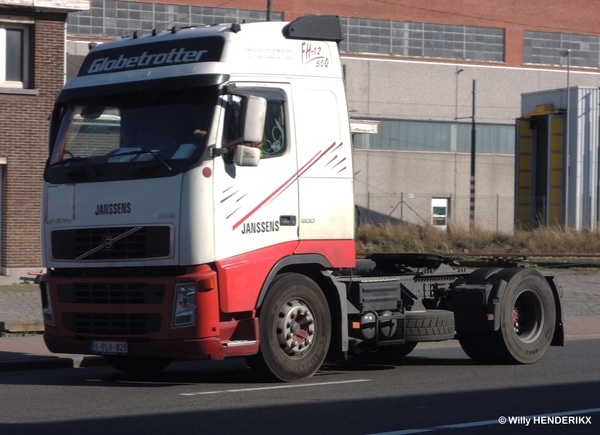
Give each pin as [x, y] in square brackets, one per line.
[153, 55]
[175, 83]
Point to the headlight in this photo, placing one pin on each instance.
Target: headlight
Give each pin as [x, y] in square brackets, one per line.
[184, 310]
[48, 313]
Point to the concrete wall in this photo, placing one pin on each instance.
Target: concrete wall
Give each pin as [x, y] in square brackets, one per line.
[401, 89]
[412, 90]
[401, 184]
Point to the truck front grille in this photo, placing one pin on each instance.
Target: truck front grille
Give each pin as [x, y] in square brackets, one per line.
[112, 324]
[117, 243]
[111, 293]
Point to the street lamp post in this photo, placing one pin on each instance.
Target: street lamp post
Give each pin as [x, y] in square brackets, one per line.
[567, 54]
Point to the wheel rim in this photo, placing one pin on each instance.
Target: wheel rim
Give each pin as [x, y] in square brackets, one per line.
[295, 328]
[527, 316]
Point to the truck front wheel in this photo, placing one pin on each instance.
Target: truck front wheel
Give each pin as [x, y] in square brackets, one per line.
[295, 329]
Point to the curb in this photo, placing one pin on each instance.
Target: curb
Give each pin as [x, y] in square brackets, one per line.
[22, 326]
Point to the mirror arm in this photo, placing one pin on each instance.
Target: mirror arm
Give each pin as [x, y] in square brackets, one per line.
[216, 152]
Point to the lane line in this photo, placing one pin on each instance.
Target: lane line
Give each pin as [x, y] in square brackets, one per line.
[278, 387]
[484, 423]
[156, 383]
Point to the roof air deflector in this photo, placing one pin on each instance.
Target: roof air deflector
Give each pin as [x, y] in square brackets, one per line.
[315, 27]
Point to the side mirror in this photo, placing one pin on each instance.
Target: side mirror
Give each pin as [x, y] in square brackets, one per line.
[246, 156]
[254, 112]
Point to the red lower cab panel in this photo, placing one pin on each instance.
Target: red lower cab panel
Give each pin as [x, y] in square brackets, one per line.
[139, 311]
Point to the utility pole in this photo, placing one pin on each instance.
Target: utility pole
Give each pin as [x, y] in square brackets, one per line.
[473, 146]
[268, 10]
[567, 161]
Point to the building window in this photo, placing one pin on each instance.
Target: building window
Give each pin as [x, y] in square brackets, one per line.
[401, 135]
[364, 35]
[439, 212]
[14, 54]
[111, 18]
[544, 48]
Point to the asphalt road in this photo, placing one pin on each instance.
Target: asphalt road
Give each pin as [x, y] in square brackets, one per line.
[432, 388]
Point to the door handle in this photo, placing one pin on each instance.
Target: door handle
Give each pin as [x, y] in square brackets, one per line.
[287, 221]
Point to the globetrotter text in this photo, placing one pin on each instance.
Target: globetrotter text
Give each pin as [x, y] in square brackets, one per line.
[175, 56]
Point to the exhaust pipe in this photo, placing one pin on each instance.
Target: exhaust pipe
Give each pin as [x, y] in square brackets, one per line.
[357, 346]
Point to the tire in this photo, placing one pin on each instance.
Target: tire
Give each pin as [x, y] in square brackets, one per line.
[137, 365]
[483, 273]
[527, 322]
[294, 329]
[430, 325]
[476, 345]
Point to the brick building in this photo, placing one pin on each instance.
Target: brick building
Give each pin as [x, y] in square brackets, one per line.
[409, 67]
[32, 71]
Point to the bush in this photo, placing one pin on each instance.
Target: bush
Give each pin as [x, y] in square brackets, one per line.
[414, 238]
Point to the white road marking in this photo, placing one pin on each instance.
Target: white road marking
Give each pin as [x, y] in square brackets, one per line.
[156, 383]
[483, 423]
[277, 387]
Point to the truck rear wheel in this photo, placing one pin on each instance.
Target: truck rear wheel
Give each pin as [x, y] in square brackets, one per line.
[527, 321]
[476, 345]
[137, 365]
[295, 329]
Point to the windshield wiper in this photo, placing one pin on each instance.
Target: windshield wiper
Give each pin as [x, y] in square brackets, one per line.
[139, 152]
[74, 158]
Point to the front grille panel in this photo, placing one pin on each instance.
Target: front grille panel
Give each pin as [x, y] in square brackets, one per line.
[87, 244]
[111, 293]
[112, 324]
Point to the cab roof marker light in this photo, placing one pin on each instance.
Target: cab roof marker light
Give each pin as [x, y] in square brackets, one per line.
[235, 27]
[173, 30]
[154, 32]
[135, 35]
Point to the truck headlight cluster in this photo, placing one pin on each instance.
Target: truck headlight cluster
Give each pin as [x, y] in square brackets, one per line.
[184, 310]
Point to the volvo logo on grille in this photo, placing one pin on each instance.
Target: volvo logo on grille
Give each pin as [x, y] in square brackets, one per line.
[107, 243]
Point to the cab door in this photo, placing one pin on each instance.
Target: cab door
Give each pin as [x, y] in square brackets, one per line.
[256, 207]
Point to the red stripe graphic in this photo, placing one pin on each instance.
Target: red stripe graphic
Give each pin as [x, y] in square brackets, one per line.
[285, 185]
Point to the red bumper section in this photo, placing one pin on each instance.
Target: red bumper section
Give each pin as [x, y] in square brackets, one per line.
[213, 335]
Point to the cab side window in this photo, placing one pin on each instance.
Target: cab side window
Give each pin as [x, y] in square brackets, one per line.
[274, 138]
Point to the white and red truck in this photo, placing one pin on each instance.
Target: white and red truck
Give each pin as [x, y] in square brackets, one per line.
[198, 203]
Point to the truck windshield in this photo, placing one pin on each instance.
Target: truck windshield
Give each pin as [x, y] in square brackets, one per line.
[148, 134]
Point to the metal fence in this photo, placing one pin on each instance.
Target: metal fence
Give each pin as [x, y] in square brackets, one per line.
[492, 212]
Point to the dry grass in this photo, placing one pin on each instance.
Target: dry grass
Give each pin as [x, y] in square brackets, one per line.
[413, 238]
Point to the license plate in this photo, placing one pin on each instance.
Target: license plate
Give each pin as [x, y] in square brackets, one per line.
[114, 347]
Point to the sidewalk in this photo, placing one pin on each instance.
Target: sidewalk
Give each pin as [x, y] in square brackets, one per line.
[23, 348]
[21, 312]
